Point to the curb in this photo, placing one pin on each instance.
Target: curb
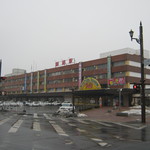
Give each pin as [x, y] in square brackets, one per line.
[122, 114]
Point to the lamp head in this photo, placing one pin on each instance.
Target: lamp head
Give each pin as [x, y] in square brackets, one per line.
[131, 34]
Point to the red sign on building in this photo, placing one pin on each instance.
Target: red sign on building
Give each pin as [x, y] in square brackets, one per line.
[56, 64]
[70, 60]
[116, 81]
[65, 62]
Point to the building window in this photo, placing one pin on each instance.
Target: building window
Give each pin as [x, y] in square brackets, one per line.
[76, 70]
[89, 68]
[102, 66]
[67, 71]
[41, 83]
[57, 73]
[55, 81]
[34, 77]
[49, 74]
[51, 90]
[34, 84]
[50, 82]
[41, 75]
[118, 63]
[58, 81]
[67, 88]
[95, 77]
[75, 79]
[59, 89]
[118, 74]
[28, 77]
[68, 80]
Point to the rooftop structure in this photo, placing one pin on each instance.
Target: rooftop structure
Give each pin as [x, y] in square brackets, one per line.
[125, 51]
[16, 72]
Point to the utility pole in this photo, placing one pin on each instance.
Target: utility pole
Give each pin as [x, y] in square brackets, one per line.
[142, 75]
[140, 41]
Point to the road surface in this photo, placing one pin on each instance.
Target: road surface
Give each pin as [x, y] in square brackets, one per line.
[38, 129]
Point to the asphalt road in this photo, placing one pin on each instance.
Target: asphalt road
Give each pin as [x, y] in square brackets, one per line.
[39, 130]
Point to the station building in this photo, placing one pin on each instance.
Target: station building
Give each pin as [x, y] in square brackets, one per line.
[115, 71]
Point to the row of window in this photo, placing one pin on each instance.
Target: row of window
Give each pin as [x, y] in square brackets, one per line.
[42, 90]
[104, 66]
[14, 87]
[63, 72]
[62, 80]
[89, 68]
[101, 76]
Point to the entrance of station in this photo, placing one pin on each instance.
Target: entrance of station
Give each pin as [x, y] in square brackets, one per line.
[86, 99]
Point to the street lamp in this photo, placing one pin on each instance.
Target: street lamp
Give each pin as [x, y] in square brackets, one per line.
[140, 41]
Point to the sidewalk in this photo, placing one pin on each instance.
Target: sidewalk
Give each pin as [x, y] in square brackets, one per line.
[108, 114]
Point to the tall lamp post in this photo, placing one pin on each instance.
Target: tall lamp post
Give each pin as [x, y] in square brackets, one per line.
[140, 41]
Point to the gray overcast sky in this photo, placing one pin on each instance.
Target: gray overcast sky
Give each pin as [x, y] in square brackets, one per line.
[39, 32]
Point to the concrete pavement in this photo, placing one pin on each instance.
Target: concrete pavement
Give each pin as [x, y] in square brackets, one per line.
[109, 114]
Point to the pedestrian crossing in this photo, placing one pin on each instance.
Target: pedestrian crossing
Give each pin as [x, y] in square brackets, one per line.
[4, 120]
[58, 129]
[59, 126]
[16, 126]
[35, 116]
[36, 126]
[36, 122]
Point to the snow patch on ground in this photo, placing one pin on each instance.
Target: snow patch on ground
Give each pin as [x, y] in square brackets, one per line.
[136, 110]
[82, 115]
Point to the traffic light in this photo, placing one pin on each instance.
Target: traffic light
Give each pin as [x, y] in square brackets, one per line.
[136, 88]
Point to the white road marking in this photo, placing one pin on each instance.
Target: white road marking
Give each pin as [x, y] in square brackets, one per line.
[118, 137]
[100, 142]
[82, 121]
[64, 120]
[142, 127]
[96, 139]
[68, 142]
[102, 123]
[130, 126]
[105, 124]
[103, 144]
[72, 125]
[4, 120]
[15, 127]
[58, 129]
[52, 122]
[36, 126]
[35, 115]
[47, 117]
[81, 130]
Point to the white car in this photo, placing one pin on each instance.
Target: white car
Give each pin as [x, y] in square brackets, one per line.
[66, 107]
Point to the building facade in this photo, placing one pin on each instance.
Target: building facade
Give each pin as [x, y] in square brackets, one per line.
[113, 70]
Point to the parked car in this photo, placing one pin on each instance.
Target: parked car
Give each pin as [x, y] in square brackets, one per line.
[66, 107]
